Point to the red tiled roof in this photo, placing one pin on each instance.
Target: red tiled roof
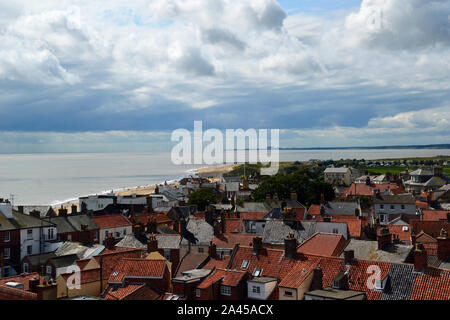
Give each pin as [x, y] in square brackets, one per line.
[86, 276]
[433, 284]
[190, 261]
[229, 278]
[233, 225]
[364, 190]
[133, 292]
[353, 223]
[421, 205]
[314, 210]
[229, 240]
[327, 244]
[110, 258]
[435, 215]
[217, 263]
[8, 293]
[145, 217]
[82, 263]
[23, 278]
[253, 215]
[111, 221]
[433, 228]
[129, 267]
[403, 236]
[298, 274]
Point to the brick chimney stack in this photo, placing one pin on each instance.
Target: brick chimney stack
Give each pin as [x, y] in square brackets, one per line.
[316, 283]
[384, 238]
[109, 242]
[290, 246]
[74, 209]
[257, 244]
[152, 244]
[62, 212]
[443, 245]
[420, 257]
[33, 283]
[349, 255]
[212, 250]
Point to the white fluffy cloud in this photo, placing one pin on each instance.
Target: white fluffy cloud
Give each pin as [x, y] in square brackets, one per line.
[150, 56]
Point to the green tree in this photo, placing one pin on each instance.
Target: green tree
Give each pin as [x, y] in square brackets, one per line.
[202, 197]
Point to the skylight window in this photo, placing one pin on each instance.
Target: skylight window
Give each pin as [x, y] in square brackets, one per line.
[257, 272]
[245, 264]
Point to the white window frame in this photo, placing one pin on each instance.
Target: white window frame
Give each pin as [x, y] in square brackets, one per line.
[29, 234]
[256, 289]
[30, 246]
[197, 293]
[245, 264]
[257, 272]
[26, 268]
[225, 290]
[48, 269]
[6, 253]
[7, 237]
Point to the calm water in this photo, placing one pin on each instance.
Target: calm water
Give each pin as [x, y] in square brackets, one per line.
[53, 178]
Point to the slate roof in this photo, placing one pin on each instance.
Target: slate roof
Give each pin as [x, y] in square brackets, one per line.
[64, 261]
[422, 172]
[275, 231]
[368, 250]
[43, 210]
[401, 280]
[397, 199]
[25, 221]
[6, 224]
[254, 207]
[198, 232]
[130, 241]
[166, 241]
[335, 208]
[336, 170]
[62, 224]
[82, 219]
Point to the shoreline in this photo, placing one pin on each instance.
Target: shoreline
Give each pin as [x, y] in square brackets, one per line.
[215, 172]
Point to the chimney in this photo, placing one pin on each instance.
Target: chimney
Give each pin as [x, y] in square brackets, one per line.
[47, 291]
[448, 217]
[109, 242]
[443, 245]
[316, 283]
[62, 212]
[20, 209]
[36, 214]
[420, 257]
[74, 209]
[152, 244]
[384, 238]
[83, 208]
[212, 250]
[368, 181]
[257, 244]
[152, 226]
[349, 255]
[294, 196]
[222, 221]
[183, 224]
[33, 283]
[290, 246]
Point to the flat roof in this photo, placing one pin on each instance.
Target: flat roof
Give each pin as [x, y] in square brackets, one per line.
[337, 294]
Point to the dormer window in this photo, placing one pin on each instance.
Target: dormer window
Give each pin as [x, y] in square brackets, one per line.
[257, 272]
[336, 284]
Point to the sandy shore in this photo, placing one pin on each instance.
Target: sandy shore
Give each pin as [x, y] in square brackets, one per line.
[212, 173]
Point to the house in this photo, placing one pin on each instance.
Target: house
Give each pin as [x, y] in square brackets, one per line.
[276, 231]
[37, 211]
[425, 179]
[75, 227]
[134, 292]
[9, 246]
[386, 206]
[328, 244]
[196, 236]
[184, 285]
[334, 208]
[370, 191]
[135, 271]
[222, 284]
[340, 176]
[230, 185]
[225, 242]
[88, 284]
[115, 224]
[118, 204]
[26, 287]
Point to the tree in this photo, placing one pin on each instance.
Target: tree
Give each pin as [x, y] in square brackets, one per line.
[202, 197]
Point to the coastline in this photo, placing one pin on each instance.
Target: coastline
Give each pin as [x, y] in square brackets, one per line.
[214, 173]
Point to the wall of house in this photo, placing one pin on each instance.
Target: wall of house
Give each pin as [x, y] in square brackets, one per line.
[35, 240]
[86, 289]
[265, 290]
[184, 249]
[13, 262]
[123, 231]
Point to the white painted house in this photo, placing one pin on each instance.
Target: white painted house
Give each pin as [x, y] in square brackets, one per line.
[388, 205]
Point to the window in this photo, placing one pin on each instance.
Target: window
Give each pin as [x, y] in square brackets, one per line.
[381, 206]
[7, 237]
[257, 272]
[49, 269]
[225, 290]
[382, 218]
[117, 234]
[403, 207]
[167, 254]
[256, 289]
[6, 253]
[25, 268]
[106, 234]
[50, 233]
[200, 250]
[29, 249]
[197, 293]
[335, 230]
[392, 207]
[335, 284]
[6, 271]
[69, 237]
[288, 293]
[245, 264]
[29, 234]
[124, 232]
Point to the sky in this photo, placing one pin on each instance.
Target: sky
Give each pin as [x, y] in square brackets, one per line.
[102, 76]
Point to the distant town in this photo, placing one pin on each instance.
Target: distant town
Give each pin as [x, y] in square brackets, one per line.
[318, 230]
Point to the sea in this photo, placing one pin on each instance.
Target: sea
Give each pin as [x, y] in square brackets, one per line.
[55, 178]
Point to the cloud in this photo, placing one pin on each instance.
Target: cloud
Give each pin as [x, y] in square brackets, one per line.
[74, 67]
